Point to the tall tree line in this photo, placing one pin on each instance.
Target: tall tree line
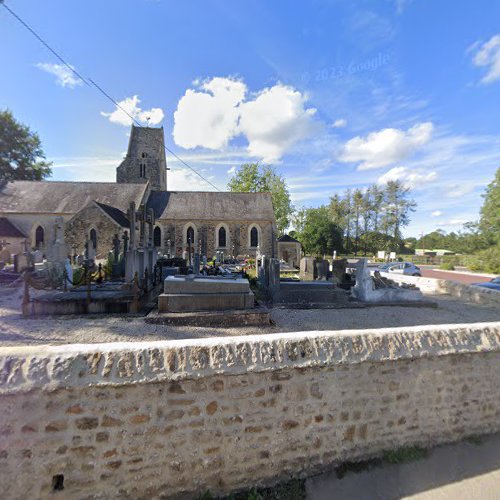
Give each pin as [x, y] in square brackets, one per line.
[372, 219]
[359, 221]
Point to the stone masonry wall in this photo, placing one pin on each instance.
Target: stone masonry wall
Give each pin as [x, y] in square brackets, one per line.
[236, 235]
[144, 420]
[78, 229]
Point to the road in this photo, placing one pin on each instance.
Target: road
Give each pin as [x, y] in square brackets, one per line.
[429, 272]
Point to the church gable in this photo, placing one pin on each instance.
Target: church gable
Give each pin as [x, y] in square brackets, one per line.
[95, 222]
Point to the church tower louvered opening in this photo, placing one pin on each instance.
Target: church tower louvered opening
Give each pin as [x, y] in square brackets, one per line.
[145, 160]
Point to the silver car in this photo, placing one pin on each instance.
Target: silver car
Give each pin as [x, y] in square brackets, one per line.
[406, 268]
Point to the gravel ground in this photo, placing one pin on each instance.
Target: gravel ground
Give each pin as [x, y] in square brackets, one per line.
[14, 329]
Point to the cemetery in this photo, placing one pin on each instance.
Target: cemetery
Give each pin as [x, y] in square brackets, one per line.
[162, 344]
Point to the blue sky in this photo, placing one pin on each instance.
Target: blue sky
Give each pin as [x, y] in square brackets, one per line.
[336, 94]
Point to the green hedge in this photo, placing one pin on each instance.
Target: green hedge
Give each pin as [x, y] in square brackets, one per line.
[486, 260]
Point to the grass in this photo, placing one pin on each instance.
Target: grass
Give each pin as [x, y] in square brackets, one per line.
[405, 455]
[291, 490]
[474, 439]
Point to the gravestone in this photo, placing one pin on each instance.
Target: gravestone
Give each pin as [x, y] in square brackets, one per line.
[69, 273]
[339, 270]
[196, 263]
[307, 269]
[322, 268]
[263, 272]
[117, 268]
[274, 279]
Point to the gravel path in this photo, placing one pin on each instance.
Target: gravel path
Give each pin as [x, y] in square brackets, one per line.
[14, 329]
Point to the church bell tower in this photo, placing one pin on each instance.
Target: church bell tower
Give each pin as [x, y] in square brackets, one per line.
[145, 160]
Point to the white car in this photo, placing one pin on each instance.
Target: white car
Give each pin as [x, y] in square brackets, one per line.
[406, 268]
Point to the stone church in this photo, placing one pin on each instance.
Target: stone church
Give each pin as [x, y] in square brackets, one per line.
[205, 222]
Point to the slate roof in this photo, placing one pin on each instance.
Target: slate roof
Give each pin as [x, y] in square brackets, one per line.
[211, 205]
[116, 214]
[66, 197]
[286, 238]
[8, 230]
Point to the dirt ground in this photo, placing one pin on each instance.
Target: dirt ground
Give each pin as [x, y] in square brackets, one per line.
[15, 330]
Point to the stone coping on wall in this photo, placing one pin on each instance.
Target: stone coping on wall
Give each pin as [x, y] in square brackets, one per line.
[24, 368]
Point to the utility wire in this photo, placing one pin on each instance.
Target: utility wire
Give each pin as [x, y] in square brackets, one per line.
[91, 82]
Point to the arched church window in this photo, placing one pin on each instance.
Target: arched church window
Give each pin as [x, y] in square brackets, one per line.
[222, 237]
[39, 236]
[93, 238]
[254, 237]
[190, 235]
[157, 237]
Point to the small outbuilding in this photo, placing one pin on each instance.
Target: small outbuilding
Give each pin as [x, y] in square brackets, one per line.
[289, 250]
[11, 238]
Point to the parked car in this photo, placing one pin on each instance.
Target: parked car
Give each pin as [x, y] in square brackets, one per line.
[493, 284]
[406, 268]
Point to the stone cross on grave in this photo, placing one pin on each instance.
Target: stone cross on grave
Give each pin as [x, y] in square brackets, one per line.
[125, 239]
[132, 216]
[116, 248]
[141, 218]
[151, 222]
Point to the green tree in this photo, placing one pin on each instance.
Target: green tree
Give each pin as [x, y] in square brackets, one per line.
[397, 208]
[489, 223]
[358, 206]
[21, 154]
[316, 231]
[254, 178]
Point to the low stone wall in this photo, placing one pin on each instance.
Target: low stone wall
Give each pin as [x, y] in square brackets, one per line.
[467, 293]
[143, 420]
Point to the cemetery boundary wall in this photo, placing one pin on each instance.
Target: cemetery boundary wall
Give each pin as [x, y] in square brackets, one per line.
[461, 291]
[164, 419]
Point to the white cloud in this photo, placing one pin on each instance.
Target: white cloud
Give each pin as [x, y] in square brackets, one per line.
[386, 147]
[64, 76]
[458, 190]
[209, 118]
[339, 123]
[437, 213]
[218, 110]
[183, 179]
[274, 121]
[231, 171]
[459, 221]
[488, 55]
[131, 106]
[412, 178]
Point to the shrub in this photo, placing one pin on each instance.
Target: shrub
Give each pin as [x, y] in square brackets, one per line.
[447, 266]
[486, 260]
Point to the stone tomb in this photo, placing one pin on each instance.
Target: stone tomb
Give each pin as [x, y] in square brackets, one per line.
[189, 293]
[366, 289]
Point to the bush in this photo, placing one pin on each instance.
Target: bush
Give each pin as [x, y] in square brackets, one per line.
[447, 266]
[486, 260]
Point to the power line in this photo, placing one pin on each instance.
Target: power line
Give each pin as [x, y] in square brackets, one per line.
[91, 82]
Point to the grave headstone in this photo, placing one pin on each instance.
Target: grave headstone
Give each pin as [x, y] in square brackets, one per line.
[69, 273]
[274, 279]
[307, 268]
[339, 269]
[322, 269]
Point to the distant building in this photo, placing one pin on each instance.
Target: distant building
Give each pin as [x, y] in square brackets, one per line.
[234, 223]
[432, 253]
